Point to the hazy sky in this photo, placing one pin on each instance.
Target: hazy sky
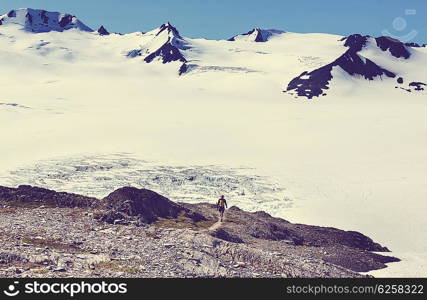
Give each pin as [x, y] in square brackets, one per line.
[220, 19]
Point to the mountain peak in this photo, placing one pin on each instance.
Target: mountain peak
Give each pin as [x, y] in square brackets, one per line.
[356, 42]
[38, 20]
[395, 47]
[170, 29]
[103, 31]
[257, 35]
[165, 45]
[315, 83]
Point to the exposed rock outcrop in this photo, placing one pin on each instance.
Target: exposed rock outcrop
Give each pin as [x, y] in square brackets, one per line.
[28, 195]
[419, 86]
[260, 225]
[80, 236]
[103, 31]
[144, 205]
[395, 47]
[224, 235]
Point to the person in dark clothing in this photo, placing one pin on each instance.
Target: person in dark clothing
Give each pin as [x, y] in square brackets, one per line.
[221, 205]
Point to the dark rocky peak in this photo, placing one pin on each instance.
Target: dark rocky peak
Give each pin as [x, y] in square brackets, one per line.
[11, 14]
[257, 35]
[169, 34]
[171, 44]
[356, 42]
[395, 47]
[169, 29]
[103, 31]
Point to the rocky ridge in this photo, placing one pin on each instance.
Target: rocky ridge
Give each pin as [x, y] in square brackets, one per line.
[139, 233]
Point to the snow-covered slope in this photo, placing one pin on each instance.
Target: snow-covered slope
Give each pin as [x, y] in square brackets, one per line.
[37, 20]
[353, 159]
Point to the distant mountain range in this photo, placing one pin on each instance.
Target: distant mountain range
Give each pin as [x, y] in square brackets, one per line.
[362, 58]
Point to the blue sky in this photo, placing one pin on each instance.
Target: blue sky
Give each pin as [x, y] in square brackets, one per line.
[220, 19]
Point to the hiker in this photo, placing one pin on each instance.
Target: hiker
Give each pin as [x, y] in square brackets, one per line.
[221, 205]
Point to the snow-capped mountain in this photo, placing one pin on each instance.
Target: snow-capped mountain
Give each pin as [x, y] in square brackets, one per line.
[353, 63]
[164, 44]
[324, 62]
[37, 20]
[257, 35]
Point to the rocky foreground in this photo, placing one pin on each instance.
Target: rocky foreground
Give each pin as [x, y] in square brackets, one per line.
[139, 233]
